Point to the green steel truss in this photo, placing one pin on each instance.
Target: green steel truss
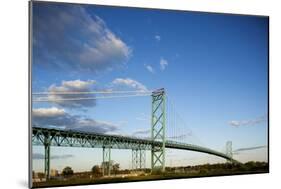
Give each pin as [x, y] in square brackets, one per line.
[66, 138]
[138, 159]
[229, 149]
[158, 126]
[69, 138]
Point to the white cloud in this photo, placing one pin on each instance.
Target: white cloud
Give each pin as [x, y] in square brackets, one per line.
[72, 86]
[149, 68]
[59, 118]
[234, 123]
[158, 37]
[250, 122]
[77, 84]
[69, 37]
[127, 82]
[48, 112]
[163, 64]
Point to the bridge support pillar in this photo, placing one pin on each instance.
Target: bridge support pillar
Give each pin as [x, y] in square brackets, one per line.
[106, 161]
[142, 159]
[138, 159]
[229, 150]
[158, 127]
[47, 146]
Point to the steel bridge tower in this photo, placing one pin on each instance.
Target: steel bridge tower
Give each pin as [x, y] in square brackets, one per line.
[158, 127]
[229, 149]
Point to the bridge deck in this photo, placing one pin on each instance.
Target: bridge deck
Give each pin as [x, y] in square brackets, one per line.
[70, 138]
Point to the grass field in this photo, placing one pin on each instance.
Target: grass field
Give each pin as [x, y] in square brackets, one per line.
[201, 171]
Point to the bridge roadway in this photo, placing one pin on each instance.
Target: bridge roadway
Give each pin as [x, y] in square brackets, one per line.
[71, 138]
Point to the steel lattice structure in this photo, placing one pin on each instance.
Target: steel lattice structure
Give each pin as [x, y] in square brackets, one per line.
[67, 138]
[229, 149]
[138, 159]
[158, 127]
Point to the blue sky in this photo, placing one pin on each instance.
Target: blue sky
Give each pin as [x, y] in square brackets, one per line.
[213, 67]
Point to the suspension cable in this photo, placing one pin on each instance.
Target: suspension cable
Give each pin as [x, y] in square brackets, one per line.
[89, 92]
[44, 99]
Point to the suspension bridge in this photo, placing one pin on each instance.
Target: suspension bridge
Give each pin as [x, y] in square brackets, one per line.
[162, 121]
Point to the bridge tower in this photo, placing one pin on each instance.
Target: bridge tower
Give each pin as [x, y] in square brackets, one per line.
[229, 149]
[106, 160]
[158, 127]
[138, 159]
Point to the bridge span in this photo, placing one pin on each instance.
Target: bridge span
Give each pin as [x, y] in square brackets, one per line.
[69, 138]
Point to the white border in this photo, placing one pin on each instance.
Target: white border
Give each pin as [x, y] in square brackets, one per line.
[14, 92]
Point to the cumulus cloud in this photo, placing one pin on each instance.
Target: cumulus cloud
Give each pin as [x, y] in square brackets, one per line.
[163, 64]
[52, 117]
[59, 118]
[129, 83]
[57, 92]
[41, 156]
[251, 122]
[70, 37]
[48, 112]
[157, 37]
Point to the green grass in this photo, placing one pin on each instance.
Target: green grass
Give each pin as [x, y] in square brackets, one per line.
[166, 175]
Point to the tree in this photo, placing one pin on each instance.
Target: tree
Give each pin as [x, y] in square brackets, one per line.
[115, 168]
[96, 170]
[67, 171]
[40, 175]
